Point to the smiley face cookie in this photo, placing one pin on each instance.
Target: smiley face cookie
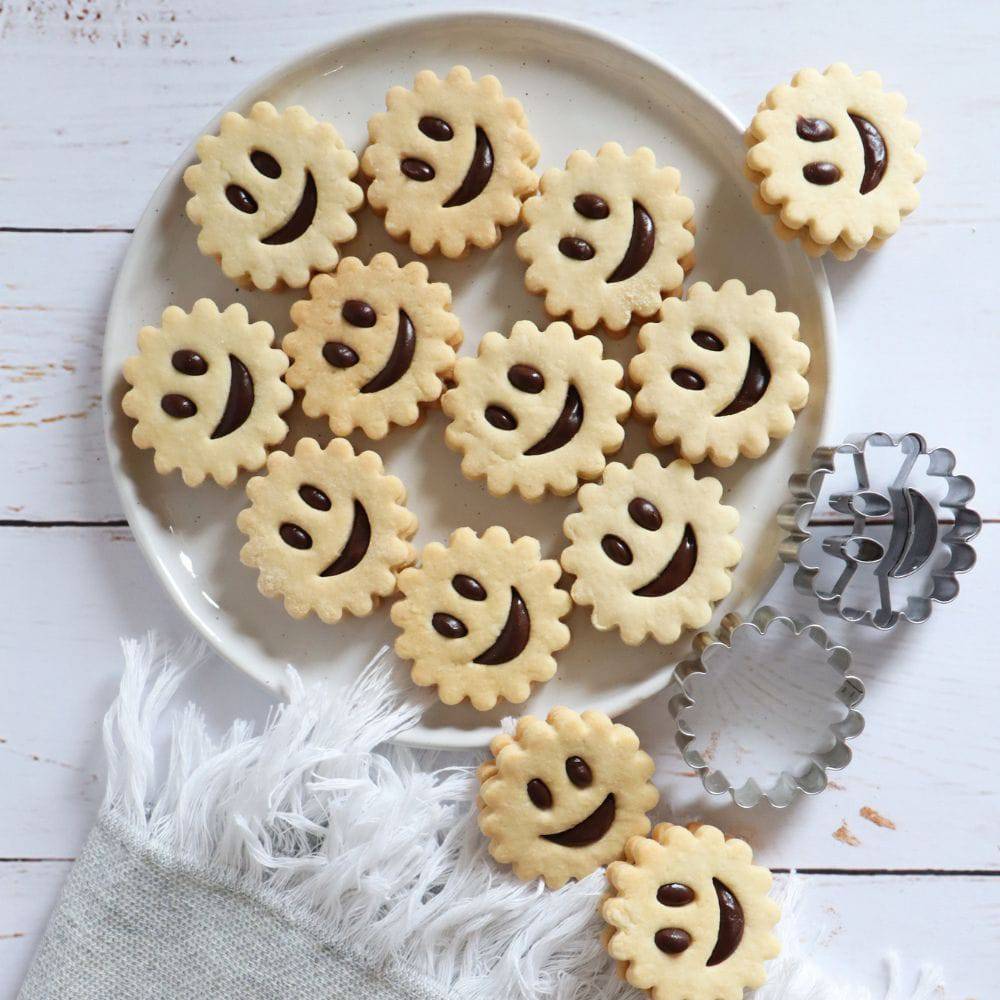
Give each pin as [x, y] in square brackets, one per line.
[273, 196]
[606, 237]
[651, 549]
[689, 915]
[564, 794]
[833, 155]
[450, 162]
[721, 373]
[372, 343]
[538, 410]
[480, 618]
[327, 529]
[207, 392]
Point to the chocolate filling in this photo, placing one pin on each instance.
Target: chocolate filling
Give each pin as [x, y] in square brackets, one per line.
[821, 172]
[356, 545]
[876, 155]
[588, 831]
[301, 219]
[576, 248]
[357, 312]
[448, 626]
[814, 129]
[591, 206]
[687, 378]
[672, 940]
[339, 355]
[468, 587]
[188, 363]
[513, 636]
[435, 128]
[565, 428]
[265, 163]
[645, 513]
[707, 340]
[617, 550]
[417, 170]
[400, 358]
[478, 175]
[640, 246]
[239, 402]
[731, 924]
[755, 384]
[676, 573]
[178, 406]
[526, 379]
[501, 419]
[674, 894]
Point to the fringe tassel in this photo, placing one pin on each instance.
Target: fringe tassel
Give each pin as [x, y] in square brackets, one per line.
[377, 849]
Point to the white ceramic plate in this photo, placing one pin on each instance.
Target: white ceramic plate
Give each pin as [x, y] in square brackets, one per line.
[580, 88]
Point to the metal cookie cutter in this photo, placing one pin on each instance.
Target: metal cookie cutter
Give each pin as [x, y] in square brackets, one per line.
[916, 538]
[776, 700]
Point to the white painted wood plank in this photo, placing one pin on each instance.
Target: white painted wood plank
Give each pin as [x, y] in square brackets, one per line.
[69, 593]
[848, 924]
[52, 460]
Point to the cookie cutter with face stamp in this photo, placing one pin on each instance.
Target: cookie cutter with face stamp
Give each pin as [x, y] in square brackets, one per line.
[794, 778]
[916, 536]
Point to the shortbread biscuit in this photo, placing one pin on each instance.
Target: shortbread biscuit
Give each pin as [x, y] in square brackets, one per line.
[538, 410]
[450, 162]
[372, 343]
[564, 794]
[607, 237]
[207, 392]
[834, 155]
[689, 915]
[651, 549]
[720, 373]
[480, 617]
[327, 529]
[273, 196]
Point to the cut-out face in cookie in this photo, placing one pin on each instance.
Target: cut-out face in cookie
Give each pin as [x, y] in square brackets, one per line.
[372, 343]
[651, 549]
[450, 162]
[480, 618]
[564, 794]
[606, 237]
[207, 392]
[538, 410]
[690, 917]
[833, 153]
[721, 373]
[327, 530]
[272, 194]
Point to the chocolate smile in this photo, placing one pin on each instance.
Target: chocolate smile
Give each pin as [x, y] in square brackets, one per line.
[731, 923]
[640, 245]
[356, 545]
[301, 219]
[675, 574]
[755, 383]
[588, 831]
[565, 428]
[513, 636]
[400, 358]
[478, 175]
[876, 155]
[239, 402]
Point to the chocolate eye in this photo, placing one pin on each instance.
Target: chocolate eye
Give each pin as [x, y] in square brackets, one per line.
[687, 379]
[617, 550]
[672, 940]
[501, 419]
[176, 405]
[189, 363]
[417, 170]
[821, 173]
[265, 164]
[241, 198]
[339, 355]
[645, 513]
[358, 313]
[538, 792]
[448, 626]
[707, 340]
[469, 587]
[435, 128]
[314, 497]
[575, 248]
[296, 537]
[814, 129]
[526, 378]
[674, 894]
[591, 206]
[578, 771]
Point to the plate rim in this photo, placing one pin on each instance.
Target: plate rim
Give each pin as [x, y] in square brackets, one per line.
[138, 516]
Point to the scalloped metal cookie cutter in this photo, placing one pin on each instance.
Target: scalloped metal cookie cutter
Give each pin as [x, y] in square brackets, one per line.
[915, 535]
[783, 790]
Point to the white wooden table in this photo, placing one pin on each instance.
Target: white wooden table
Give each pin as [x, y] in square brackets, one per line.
[100, 97]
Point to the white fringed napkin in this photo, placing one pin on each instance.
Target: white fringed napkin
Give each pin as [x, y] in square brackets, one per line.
[311, 861]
